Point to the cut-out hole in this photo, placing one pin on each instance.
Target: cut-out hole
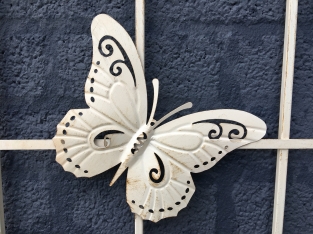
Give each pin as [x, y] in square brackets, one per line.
[68, 159]
[92, 80]
[77, 166]
[63, 142]
[141, 207]
[85, 171]
[65, 150]
[72, 118]
[133, 201]
[160, 172]
[177, 203]
[67, 124]
[80, 113]
[152, 123]
[219, 152]
[105, 138]
[226, 147]
[188, 182]
[92, 99]
[205, 163]
[212, 159]
[64, 132]
[161, 210]
[151, 211]
[183, 197]
[96, 70]
[196, 166]
[187, 190]
[170, 208]
[91, 89]
[98, 62]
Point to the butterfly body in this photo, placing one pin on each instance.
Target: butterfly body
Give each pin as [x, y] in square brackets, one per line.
[137, 144]
[114, 130]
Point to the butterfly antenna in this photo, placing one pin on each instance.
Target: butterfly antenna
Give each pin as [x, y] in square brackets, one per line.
[178, 109]
[155, 83]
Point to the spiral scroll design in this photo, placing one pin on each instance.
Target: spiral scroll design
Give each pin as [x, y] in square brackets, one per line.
[156, 171]
[218, 122]
[109, 51]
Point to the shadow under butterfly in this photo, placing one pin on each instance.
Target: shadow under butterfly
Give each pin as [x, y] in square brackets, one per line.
[159, 157]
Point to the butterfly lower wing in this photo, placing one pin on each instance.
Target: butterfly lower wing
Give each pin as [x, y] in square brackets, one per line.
[192, 143]
[156, 191]
[78, 150]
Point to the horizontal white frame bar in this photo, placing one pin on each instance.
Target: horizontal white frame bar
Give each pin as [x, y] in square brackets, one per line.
[261, 144]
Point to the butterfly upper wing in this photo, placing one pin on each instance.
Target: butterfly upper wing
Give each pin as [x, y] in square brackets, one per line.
[207, 136]
[116, 84]
[192, 143]
[115, 91]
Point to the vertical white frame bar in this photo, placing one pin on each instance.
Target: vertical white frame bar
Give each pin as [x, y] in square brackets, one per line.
[285, 113]
[140, 45]
[2, 224]
[140, 30]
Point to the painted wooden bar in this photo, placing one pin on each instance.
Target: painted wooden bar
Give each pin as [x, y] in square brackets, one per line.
[140, 45]
[2, 223]
[285, 114]
[283, 144]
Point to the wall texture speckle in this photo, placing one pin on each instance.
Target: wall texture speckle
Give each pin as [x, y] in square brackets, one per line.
[214, 53]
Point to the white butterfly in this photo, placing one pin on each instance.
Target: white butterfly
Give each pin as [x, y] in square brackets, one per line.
[159, 158]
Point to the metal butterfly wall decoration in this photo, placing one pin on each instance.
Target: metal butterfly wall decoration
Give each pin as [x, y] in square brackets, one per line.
[159, 157]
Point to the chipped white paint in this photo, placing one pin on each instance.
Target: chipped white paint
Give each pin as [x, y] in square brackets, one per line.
[140, 45]
[140, 29]
[285, 113]
[26, 145]
[2, 224]
[261, 144]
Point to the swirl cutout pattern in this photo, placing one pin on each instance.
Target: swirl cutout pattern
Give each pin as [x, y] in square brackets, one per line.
[231, 133]
[156, 171]
[109, 51]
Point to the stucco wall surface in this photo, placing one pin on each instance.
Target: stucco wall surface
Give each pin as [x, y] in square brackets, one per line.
[214, 53]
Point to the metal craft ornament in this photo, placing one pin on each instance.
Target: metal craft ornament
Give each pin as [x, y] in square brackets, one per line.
[114, 130]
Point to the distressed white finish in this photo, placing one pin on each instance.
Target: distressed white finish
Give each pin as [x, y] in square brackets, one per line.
[2, 224]
[140, 29]
[280, 144]
[140, 45]
[285, 113]
[26, 145]
[159, 157]
[261, 144]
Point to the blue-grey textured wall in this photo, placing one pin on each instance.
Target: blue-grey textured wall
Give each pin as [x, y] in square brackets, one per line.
[215, 53]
